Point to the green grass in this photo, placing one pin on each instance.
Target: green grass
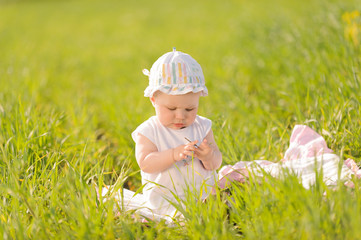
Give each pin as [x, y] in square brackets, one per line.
[71, 93]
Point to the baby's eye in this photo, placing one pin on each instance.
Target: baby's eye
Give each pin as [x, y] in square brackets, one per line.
[171, 109]
[189, 109]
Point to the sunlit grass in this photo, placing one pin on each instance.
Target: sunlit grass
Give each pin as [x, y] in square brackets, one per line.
[71, 93]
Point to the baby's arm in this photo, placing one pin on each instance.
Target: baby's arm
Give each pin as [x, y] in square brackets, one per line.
[150, 160]
[207, 152]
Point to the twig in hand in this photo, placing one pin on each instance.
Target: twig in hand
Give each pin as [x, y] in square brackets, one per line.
[191, 141]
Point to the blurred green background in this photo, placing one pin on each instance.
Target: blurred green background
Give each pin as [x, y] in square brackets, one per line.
[71, 82]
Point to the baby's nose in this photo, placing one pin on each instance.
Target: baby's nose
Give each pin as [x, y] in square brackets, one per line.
[180, 114]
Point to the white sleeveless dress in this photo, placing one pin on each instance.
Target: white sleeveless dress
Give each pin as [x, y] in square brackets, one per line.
[159, 188]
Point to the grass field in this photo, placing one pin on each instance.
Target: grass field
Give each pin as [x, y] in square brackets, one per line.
[71, 92]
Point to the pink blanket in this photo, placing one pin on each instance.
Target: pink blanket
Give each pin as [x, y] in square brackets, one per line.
[307, 152]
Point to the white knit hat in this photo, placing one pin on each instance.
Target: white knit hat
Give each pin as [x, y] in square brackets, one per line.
[175, 73]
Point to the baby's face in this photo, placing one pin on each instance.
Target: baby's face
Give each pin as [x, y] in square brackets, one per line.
[176, 111]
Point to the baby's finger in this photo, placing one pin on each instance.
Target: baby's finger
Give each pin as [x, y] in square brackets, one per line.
[204, 144]
[183, 156]
[190, 148]
[189, 153]
[199, 151]
[189, 144]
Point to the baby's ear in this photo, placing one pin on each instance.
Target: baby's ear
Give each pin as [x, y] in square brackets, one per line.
[152, 100]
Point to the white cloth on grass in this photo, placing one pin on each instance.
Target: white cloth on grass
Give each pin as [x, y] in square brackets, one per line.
[306, 156]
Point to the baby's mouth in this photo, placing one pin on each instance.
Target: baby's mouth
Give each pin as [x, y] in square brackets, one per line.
[179, 125]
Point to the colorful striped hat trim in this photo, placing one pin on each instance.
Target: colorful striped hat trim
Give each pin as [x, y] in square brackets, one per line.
[175, 73]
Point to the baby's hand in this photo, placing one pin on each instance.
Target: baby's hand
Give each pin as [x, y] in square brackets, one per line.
[183, 151]
[207, 152]
[204, 151]
[179, 153]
